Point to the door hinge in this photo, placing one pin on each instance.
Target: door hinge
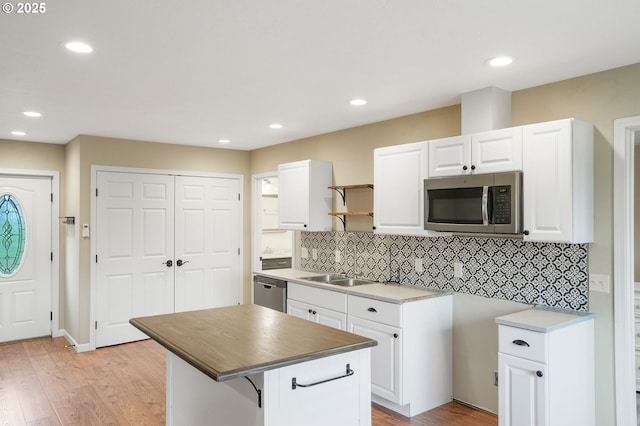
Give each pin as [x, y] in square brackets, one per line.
[52, 256]
[238, 196]
[96, 192]
[96, 325]
[51, 315]
[96, 258]
[238, 252]
[52, 197]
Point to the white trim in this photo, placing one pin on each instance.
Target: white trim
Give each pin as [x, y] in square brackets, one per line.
[623, 139]
[94, 250]
[55, 239]
[256, 219]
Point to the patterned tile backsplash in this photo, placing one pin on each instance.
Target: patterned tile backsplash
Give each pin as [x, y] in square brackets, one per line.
[555, 275]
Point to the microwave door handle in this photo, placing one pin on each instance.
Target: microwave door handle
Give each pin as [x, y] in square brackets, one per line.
[485, 205]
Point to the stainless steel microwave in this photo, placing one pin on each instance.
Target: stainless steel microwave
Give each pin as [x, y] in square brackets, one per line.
[484, 203]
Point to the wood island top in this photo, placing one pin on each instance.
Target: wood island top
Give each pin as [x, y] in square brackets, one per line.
[235, 341]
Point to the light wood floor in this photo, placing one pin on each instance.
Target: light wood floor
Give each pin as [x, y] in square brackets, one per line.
[45, 382]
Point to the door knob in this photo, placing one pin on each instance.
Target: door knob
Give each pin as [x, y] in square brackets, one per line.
[179, 262]
[169, 263]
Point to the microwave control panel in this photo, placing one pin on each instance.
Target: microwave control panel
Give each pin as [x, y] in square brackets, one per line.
[502, 204]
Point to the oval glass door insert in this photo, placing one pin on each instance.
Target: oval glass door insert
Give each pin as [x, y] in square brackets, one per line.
[12, 234]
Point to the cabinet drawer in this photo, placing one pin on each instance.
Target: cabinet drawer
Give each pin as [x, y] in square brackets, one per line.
[522, 343]
[319, 297]
[375, 310]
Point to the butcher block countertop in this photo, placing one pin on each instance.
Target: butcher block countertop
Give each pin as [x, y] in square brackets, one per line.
[235, 341]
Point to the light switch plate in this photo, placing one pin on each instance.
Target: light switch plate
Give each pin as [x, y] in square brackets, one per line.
[457, 269]
[338, 256]
[304, 253]
[314, 254]
[418, 266]
[599, 283]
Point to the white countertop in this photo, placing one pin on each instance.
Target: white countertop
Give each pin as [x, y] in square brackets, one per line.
[543, 319]
[386, 292]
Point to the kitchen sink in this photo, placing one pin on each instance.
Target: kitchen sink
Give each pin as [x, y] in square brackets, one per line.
[337, 279]
[324, 278]
[348, 282]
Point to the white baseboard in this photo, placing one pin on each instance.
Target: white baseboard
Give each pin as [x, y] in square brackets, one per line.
[78, 348]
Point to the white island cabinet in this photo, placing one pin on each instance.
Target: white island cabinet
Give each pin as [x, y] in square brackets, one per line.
[304, 198]
[546, 369]
[557, 168]
[253, 366]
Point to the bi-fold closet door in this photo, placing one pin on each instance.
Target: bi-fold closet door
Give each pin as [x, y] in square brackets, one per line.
[164, 244]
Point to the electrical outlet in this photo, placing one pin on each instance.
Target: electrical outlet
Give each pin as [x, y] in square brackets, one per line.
[457, 269]
[338, 256]
[599, 283]
[314, 254]
[304, 253]
[418, 266]
[495, 378]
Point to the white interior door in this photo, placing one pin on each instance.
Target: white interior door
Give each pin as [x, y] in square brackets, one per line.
[25, 257]
[135, 252]
[164, 244]
[207, 236]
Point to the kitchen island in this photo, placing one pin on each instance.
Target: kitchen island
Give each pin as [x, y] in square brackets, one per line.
[250, 365]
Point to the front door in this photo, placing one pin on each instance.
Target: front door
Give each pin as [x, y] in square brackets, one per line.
[25, 257]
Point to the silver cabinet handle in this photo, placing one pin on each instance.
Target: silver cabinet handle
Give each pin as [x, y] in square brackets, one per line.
[295, 384]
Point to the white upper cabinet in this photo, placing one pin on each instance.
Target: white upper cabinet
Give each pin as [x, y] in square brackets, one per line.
[398, 175]
[305, 200]
[558, 181]
[488, 152]
[449, 156]
[497, 151]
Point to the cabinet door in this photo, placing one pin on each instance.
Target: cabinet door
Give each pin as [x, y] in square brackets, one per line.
[398, 175]
[331, 318]
[547, 183]
[523, 392]
[386, 357]
[450, 156]
[293, 198]
[497, 151]
[300, 310]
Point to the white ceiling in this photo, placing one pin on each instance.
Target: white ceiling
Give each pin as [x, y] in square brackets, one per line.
[192, 72]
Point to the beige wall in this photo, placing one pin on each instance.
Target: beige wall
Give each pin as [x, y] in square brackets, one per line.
[598, 98]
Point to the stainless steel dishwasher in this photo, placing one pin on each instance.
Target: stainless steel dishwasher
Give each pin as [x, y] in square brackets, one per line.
[270, 292]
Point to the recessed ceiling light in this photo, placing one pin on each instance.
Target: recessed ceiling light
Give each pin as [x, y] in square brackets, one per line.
[358, 102]
[500, 61]
[224, 140]
[78, 47]
[276, 126]
[18, 133]
[34, 114]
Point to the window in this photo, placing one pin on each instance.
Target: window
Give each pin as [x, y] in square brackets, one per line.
[12, 234]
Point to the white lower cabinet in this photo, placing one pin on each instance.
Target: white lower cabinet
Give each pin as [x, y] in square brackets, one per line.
[411, 367]
[385, 377]
[546, 378]
[322, 306]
